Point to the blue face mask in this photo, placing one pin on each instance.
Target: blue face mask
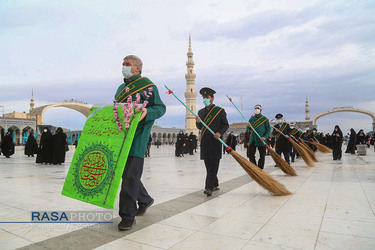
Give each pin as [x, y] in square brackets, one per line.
[206, 102]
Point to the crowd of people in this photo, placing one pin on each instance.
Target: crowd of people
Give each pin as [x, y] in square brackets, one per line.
[186, 144]
[51, 150]
[352, 139]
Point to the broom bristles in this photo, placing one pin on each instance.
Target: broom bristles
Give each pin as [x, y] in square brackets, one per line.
[309, 151]
[322, 148]
[281, 163]
[262, 178]
[305, 156]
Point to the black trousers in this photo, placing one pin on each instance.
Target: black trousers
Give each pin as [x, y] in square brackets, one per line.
[212, 167]
[286, 153]
[293, 153]
[262, 155]
[132, 189]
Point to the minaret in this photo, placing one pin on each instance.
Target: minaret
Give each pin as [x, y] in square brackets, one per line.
[32, 100]
[307, 111]
[190, 94]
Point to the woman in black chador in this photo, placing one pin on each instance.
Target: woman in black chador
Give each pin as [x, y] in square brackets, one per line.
[361, 138]
[337, 143]
[7, 145]
[352, 142]
[59, 146]
[31, 146]
[191, 143]
[45, 149]
[180, 144]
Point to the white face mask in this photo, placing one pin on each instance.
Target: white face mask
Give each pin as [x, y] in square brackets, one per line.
[257, 111]
[127, 72]
[279, 121]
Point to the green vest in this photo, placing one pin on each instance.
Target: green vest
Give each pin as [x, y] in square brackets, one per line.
[262, 126]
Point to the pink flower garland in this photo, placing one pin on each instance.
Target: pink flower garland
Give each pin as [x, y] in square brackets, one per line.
[128, 107]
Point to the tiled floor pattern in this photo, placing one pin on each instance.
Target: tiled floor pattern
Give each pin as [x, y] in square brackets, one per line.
[332, 207]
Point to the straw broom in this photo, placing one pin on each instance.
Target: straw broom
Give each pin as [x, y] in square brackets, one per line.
[262, 178]
[280, 162]
[305, 156]
[309, 150]
[322, 148]
[301, 151]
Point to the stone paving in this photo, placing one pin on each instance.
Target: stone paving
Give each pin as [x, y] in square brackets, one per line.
[332, 207]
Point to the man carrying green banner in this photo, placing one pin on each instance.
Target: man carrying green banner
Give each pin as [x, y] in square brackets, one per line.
[144, 91]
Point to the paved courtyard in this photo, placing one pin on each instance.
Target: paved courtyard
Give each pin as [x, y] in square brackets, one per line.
[332, 207]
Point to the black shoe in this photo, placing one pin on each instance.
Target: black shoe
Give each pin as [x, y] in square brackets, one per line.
[126, 225]
[292, 160]
[208, 192]
[143, 207]
[215, 189]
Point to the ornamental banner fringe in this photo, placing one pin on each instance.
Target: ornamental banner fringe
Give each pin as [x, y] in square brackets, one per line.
[99, 160]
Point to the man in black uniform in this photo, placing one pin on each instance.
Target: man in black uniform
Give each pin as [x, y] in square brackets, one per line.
[231, 141]
[282, 142]
[296, 134]
[216, 119]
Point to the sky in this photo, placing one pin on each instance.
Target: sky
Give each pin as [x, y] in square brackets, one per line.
[275, 53]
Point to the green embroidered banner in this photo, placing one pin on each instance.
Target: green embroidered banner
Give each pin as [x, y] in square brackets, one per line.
[99, 160]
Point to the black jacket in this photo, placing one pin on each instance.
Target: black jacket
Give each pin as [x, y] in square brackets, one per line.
[282, 143]
[210, 147]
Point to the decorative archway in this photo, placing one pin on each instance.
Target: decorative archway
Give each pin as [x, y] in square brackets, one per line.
[38, 112]
[346, 109]
[25, 133]
[16, 134]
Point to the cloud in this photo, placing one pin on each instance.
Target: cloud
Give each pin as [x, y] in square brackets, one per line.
[273, 53]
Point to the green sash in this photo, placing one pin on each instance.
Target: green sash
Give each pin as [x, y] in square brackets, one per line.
[133, 87]
[209, 118]
[257, 123]
[307, 134]
[281, 129]
[295, 131]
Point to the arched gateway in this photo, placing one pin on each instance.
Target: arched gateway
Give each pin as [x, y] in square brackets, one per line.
[346, 109]
[38, 112]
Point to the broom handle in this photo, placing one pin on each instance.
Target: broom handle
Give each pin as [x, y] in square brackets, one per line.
[283, 133]
[230, 99]
[303, 132]
[191, 111]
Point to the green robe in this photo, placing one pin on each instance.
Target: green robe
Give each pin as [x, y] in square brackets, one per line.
[155, 109]
[263, 130]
